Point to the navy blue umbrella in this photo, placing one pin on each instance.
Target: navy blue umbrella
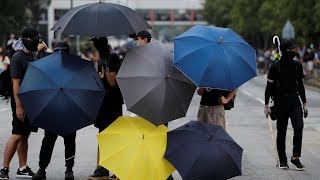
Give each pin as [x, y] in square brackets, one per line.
[203, 151]
[61, 93]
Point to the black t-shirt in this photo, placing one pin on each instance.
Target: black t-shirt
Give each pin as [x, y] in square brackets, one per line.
[18, 67]
[287, 78]
[211, 97]
[111, 107]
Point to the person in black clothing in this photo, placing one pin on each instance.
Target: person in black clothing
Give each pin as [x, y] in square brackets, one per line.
[20, 124]
[49, 140]
[111, 107]
[285, 85]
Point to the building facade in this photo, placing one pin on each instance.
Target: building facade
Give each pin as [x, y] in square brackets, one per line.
[162, 15]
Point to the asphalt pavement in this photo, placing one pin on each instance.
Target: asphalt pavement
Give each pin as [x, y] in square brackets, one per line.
[246, 123]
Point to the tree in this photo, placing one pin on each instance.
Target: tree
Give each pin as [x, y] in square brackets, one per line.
[17, 14]
[257, 21]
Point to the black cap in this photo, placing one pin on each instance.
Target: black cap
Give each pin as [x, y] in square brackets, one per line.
[31, 33]
[61, 45]
[142, 34]
[287, 44]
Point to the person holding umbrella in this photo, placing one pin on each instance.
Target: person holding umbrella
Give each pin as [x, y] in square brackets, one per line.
[211, 108]
[21, 129]
[49, 140]
[139, 39]
[111, 107]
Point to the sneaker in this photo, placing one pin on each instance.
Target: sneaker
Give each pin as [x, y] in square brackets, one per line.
[297, 164]
[283, 165]
[69, 174]
[4, 173]
[25, 173]
[100, 173]
[40, 175]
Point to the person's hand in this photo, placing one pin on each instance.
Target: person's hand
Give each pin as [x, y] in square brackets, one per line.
[106, 70]
[267, 110]
[20, 113]
[305, 110]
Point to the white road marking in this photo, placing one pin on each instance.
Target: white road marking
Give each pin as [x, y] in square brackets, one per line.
[4, 109]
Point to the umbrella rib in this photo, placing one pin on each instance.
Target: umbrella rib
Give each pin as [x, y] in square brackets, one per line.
[123, 15]
[239, 54]
[241, 58]
[77, 9]
[46, 76]
[194, 52]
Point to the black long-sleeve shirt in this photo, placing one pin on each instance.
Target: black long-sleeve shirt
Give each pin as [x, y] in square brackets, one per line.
[289, 75]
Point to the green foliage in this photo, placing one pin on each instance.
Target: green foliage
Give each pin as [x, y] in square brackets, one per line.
[259, 20]
[17, 14]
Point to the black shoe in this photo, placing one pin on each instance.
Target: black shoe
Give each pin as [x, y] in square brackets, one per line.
[297, 164]
[283, 165]
[25, 173]
[100, 173]
[40, 175]
[69, 174]
[4, 173]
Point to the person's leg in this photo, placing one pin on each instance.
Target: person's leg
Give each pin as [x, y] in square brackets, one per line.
[46, 150]
[10, 149]
[297, 124]
[70, 149]
[22, 150]
[282, 123]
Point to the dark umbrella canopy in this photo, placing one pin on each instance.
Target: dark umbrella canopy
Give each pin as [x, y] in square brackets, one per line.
[61, 93]
[151, 86]
[203, 151]
[99, 20]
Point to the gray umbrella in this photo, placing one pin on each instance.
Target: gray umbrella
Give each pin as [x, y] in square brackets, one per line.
[151, 86]
[99, 20]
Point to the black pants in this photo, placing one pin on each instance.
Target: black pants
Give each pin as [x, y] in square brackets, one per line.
[289, 106]
[48, 145]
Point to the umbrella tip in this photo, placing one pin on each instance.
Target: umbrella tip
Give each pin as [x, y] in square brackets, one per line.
[220, 40]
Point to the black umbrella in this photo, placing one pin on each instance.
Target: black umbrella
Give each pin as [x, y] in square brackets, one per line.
[203, 151]
[99, 20]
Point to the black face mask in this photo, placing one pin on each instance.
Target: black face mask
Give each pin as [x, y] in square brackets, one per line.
[289, 55]
[30, 45]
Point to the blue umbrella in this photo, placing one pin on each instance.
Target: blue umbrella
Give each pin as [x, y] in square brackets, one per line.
[203, 151]
[214, 57]
[61, 93]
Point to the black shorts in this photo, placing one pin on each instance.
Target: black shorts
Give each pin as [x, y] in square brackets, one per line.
[19, 127]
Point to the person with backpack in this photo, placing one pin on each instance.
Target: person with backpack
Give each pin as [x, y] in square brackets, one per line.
[21, 129]
[285, 85]
[212, 109]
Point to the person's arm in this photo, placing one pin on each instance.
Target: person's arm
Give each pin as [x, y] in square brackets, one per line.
[301, 89]
[19, 109]
[200, 91]
[225, 100]
[111, 77]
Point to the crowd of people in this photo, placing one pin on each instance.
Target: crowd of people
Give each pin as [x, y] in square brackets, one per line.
[29, 47]
[309, 56]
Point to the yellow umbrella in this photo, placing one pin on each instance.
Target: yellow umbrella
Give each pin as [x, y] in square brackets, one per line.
[133, 148]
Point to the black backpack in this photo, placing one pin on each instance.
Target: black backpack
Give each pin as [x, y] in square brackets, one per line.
[6, 83]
